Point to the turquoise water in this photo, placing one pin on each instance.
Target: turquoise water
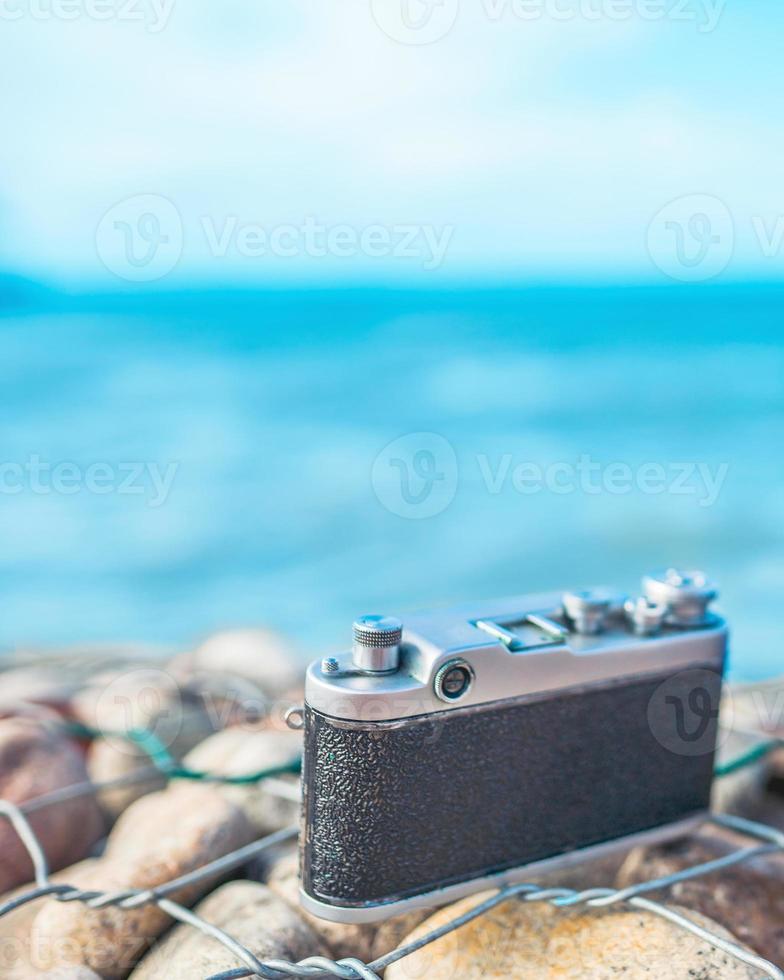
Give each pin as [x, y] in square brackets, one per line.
[254, 424]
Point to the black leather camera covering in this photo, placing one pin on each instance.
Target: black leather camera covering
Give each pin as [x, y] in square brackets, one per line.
[397, 809]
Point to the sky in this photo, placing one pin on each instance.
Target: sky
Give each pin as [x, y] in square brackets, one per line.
[167, 142]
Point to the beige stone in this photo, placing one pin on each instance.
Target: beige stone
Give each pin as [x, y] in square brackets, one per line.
[241, 751]
[159, 838]
[28, 709]
[107, 761]
[342, 940]
[35, 759]
[759, 708]
[252, 915]
[142, 698]
[259, 655]
[390, 934]
[65, 973]
[538, 942]
[42, 685]
[15, 927]
[747, 899]
[741, 792]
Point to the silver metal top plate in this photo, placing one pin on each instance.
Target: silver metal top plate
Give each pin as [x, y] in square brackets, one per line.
[516, 647]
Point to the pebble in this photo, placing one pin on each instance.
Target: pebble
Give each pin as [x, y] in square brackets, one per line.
[241, 751]
[252, 915]
[747, 899]
[143, 698]
[231, 700]
[538, 942]
[160, 837]
[743, 791]
[108, 761]
[62, 973]
[35, 758]
[259, 655]
[65, 973]
[770, 811]
[15, 927]
[362, 941]
[29, 709]
[759, 708]
[42, 685]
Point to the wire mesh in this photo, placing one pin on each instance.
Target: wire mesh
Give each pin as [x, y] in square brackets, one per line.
[769, 840]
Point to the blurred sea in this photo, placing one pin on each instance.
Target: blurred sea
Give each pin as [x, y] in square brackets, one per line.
[272, 408]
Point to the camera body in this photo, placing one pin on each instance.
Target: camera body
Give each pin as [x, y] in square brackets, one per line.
[484, 743]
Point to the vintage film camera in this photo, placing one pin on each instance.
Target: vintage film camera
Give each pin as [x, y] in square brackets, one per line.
[481, 744]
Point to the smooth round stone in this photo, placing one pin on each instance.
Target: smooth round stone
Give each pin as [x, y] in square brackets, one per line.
[741, 792]
[240, 752]
[530, 941]
[45, 685]
[747, 899]
[251, 914]
[16, 926]
[36, 759]
[259, 655]
[160, 837]
[342, 940]
[65, 973]
[146, 698]
[107, 762]
[759, 708]
[141, 698]
[28, 709]
[364, 942]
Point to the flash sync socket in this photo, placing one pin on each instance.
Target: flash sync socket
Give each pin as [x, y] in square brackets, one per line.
[454, 680]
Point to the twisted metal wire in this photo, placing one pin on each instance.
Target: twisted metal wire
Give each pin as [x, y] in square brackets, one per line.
[528, 893]
[350, 968]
